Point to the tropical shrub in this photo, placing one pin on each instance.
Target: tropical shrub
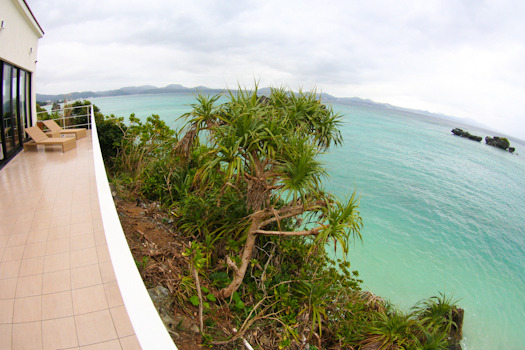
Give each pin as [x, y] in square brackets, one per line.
[110, 131]
[79, 113]
[242, 181]
[267, 151]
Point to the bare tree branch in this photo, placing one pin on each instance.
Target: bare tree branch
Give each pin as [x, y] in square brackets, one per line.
[199, 294]
[311, 232]
[288, 212]
[231, 264]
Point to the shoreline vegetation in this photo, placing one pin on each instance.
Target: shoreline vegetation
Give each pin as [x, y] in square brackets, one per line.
[244, 245]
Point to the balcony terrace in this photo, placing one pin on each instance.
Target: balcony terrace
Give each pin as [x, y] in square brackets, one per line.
[67, 278]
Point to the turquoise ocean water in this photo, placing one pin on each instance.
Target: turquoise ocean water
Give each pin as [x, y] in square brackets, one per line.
[441, 213]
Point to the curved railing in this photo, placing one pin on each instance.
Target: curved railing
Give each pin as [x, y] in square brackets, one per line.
[148, 326]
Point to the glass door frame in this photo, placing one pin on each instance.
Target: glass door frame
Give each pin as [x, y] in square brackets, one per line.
[4, 155]
[20, 116]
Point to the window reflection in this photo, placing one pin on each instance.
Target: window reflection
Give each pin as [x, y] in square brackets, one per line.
[15, 114]
[7, 108]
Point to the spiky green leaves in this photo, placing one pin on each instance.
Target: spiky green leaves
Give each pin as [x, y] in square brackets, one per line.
[204, 113]
[437, 311]
[299, 169]
[314, 119]
[267, 150]
[273, 142]
[342, 221]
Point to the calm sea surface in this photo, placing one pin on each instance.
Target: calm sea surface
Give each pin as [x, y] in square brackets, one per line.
[441, 213]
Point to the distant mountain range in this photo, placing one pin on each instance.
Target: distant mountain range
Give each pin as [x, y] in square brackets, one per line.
[356, 101]
[178, 89]
[131, 90]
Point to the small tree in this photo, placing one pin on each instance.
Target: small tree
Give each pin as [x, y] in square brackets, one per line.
[110, 131]
[55, 106]
[79, 113]
[267, 149]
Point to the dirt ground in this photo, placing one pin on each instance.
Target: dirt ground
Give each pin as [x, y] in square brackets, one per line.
[157, 251]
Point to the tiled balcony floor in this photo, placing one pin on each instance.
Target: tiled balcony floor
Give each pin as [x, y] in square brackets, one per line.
[57, 285]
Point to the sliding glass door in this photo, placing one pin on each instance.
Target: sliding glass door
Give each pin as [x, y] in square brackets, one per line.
[14, 109]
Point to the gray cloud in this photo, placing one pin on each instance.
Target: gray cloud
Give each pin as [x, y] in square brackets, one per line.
[458, 57]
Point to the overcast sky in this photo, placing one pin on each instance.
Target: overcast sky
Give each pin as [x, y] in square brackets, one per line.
[464, 58]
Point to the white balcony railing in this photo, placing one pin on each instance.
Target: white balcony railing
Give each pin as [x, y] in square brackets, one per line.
[148, 326]
[68, 117]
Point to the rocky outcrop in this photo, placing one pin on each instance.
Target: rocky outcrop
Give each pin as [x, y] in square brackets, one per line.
[456, 330]
[500, 142]
[462, 133]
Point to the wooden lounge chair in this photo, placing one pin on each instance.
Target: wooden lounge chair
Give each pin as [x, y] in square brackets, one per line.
[39, 138]
[57, 130]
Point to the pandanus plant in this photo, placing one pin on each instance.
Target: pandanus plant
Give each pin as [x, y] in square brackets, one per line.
[268, 149]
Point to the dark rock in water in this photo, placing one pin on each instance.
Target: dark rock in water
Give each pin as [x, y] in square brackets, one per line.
[500, 142]
[475, 138]
[462, 133]
[458, 131]
[456, 331]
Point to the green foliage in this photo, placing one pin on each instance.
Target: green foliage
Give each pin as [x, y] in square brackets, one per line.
[142, 264]
[110, 131]
[238, 303]
[79, 113]
[56, 113]
[313, 297]
[427, 326]
[220, 279]
[392, 330]
[214, 224]
[436, 312]
[144, 158]
[277, 139]
[504, 142]
[194, 300]
[197, 256]
[431, 341]
[263, 152]
[342, 223]
[42, 113]
[250, 167]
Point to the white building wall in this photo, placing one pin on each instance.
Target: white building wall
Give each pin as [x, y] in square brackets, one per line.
[19, 36]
